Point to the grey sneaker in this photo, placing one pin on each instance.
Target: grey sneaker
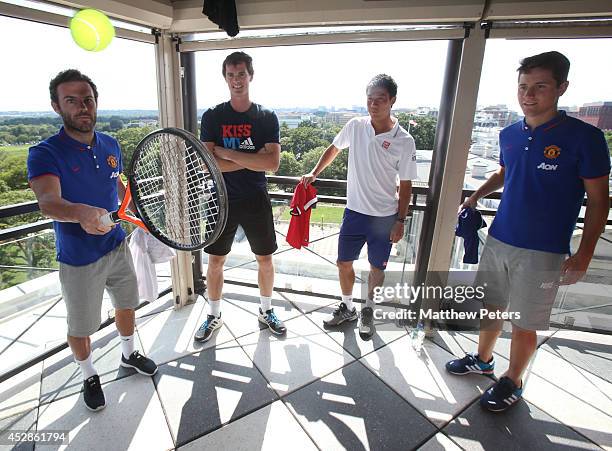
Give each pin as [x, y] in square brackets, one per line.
[340, 315]
[205, 332]
[366, 325]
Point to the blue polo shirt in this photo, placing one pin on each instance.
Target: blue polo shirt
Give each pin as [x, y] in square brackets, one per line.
[543, 184]
[87, 175]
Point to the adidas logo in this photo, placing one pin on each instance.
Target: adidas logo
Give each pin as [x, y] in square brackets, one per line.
[247, 144]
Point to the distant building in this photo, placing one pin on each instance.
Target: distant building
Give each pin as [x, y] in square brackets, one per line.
[572, 111]
[426, 111]
[598, 114]
[293, 119]
[495, 116]
[341, 118]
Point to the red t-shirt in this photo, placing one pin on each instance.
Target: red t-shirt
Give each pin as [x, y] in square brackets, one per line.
[303, 200]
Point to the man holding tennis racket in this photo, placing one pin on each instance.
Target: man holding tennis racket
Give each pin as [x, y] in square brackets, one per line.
[244, 137]
[75, 176]
[380, 151]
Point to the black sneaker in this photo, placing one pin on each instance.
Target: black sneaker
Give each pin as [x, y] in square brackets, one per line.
[140, 363]
[93, 394]
[340, 315]
[271, 320]
[205, 332]
[366, 325]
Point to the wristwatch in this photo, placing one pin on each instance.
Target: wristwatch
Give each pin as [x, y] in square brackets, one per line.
[402, 220]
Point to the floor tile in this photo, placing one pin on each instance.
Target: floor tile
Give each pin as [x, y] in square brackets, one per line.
[589, 351]
[423, 381]
[248, 299]
[353, 409]
[306, 303]
[169, 335]
[269, 428]
[347, 334]
[563, 391]
[21, 392]
[238, 319]
[159, 305]
[440, 442]
[523, 427]
[133, 418]
[21, 422]
[305, 354]
[203, 391]
[62, 376]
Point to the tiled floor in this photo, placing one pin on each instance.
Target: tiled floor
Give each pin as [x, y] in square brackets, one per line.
[313, 389]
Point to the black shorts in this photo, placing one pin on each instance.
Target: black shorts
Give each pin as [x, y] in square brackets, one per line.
[255, 216]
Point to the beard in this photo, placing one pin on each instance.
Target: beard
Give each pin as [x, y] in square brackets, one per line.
[72, 122]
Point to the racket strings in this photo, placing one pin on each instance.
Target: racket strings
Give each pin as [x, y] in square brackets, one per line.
[176, 191]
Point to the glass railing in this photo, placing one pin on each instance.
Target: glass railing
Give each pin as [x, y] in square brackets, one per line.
[31, 311]
[32, 314]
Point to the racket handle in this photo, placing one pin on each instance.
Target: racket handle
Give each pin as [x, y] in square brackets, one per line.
[109, 219]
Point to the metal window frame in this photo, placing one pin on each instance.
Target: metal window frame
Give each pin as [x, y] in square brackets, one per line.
[455, 32]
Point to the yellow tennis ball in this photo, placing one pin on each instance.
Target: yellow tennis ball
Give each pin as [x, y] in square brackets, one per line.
[91, 30]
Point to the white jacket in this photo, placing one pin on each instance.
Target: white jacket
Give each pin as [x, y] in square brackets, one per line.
[146, 252]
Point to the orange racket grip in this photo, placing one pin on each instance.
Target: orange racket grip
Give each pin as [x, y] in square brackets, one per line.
[122, 214]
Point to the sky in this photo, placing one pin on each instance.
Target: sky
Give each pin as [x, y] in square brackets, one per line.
[308, 75]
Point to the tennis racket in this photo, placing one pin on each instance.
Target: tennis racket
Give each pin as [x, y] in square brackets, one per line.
[177, 189]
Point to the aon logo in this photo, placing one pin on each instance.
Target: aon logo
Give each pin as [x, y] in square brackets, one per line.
[548, 167]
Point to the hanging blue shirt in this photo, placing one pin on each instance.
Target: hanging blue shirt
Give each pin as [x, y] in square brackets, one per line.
[543, 182]
[87, 175]
[469, 222]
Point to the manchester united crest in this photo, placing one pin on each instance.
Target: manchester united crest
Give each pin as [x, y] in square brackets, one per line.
[552, 152]
[112, 161]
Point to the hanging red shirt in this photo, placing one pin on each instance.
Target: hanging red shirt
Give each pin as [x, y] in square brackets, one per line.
[304, 199]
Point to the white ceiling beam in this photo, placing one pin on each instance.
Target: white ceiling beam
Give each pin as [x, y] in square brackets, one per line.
[188, 17]
[330, 38]
[551, 9]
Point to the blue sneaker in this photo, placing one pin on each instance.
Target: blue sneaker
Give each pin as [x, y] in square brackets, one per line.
[270, 319]
[208, 327]
[471, 363]
[501, 395]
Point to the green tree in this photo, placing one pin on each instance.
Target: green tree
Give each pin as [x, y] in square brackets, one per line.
[422, 129]
[337, 170]
[128, 140]
[302, 139]
[31, 252]
[115, 123]
[289, 165]
[608, 135]
[13, 171]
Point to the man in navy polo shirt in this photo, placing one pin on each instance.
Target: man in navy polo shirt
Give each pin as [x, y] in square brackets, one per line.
[75, 176]
[548, 161]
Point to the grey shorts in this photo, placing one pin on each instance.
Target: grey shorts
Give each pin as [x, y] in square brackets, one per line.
[83, 289]
[523, 281]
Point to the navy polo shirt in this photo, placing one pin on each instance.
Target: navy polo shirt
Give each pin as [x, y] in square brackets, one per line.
[87, 175]
[543, 184]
